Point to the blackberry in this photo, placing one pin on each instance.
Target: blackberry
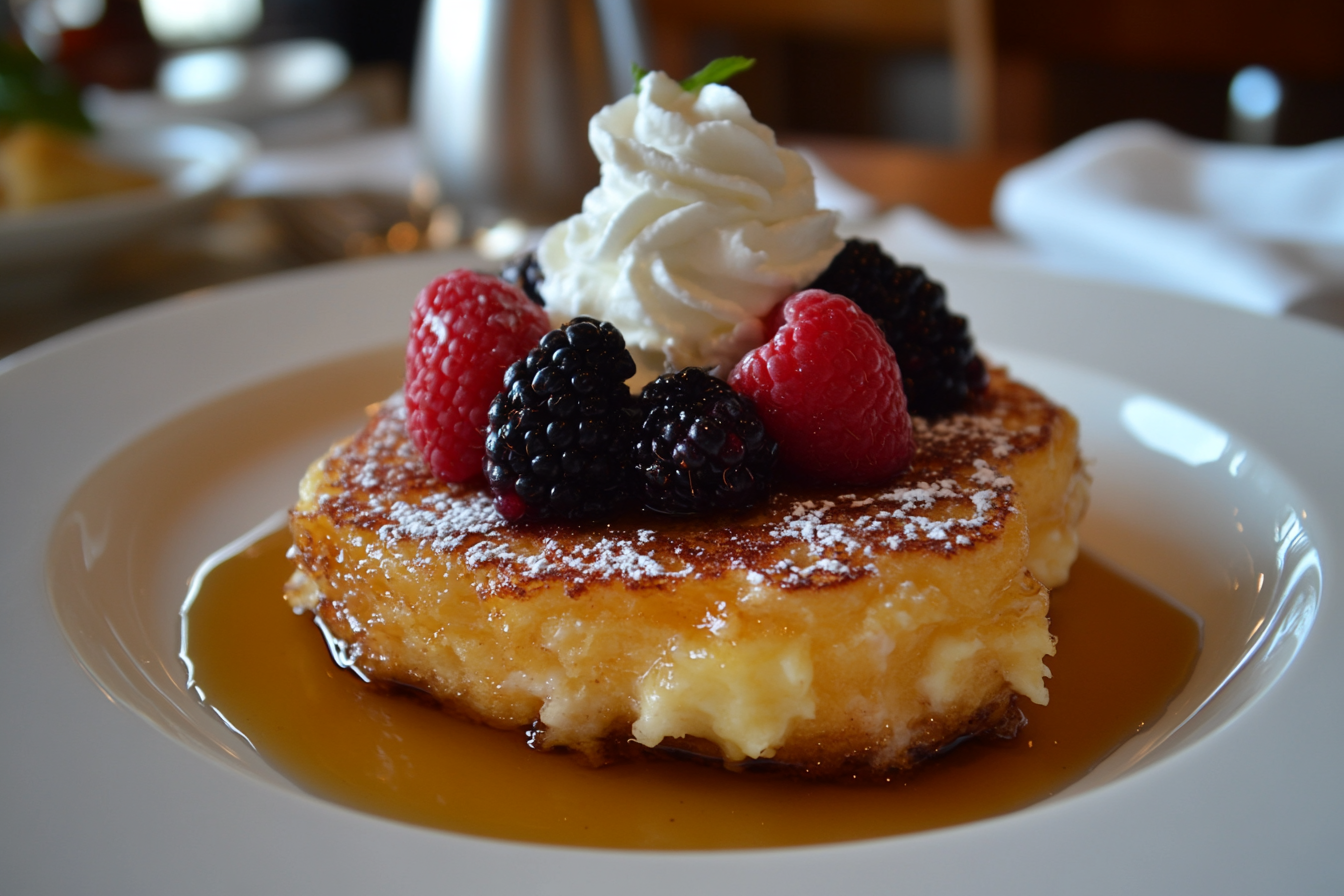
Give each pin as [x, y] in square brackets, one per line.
[524, 272]
[940, 369]
[701, 446]
[559, 437]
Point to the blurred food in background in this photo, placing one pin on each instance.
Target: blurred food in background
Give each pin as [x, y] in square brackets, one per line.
[32, 91]
[40, 165]
[44, 154]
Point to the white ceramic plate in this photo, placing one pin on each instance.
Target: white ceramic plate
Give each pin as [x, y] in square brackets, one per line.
[133, 448]
[195, 161]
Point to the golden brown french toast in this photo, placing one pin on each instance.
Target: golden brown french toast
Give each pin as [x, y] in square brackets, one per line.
[833, 632]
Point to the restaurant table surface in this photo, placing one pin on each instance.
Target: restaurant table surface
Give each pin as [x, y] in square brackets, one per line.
[251, 237]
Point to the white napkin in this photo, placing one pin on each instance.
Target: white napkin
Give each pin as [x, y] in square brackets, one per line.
[1261, 228]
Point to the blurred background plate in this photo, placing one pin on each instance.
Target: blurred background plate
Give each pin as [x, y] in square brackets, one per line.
[45, 249]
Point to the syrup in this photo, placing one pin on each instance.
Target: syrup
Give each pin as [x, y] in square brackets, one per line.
[1123, 654]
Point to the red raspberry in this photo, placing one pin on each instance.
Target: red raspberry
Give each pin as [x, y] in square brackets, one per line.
[466, 329]
[829, 391]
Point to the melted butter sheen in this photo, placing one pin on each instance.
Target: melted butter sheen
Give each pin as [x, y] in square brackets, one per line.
[1123, 654]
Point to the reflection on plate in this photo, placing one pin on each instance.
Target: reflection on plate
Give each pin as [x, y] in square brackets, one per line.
[43, 248]
[1213, 484]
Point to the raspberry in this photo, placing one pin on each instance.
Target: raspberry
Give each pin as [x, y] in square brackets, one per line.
[939, 366]
[829, 390]
[561, 431]
[701, 447]
[524, 272]
[466, 329]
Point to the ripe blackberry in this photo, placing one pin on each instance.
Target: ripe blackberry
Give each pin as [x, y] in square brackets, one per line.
[939, 365]
[701, 446]
[559, 436]
[524, 272]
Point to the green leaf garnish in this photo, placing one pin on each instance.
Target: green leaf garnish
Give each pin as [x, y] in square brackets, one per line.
[717, 72]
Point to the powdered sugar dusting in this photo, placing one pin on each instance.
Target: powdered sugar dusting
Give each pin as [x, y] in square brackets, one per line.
[955, 496]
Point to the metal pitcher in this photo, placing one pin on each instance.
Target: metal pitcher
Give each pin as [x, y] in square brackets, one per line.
[502, 94]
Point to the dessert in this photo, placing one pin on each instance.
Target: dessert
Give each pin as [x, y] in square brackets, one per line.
[44, 157]
[841, 631]
[871, 599]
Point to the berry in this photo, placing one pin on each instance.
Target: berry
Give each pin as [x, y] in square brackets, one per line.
[939, 365]
[466, 329]
[524, 272]
[701, 446]
[829, 390]
[560, 433]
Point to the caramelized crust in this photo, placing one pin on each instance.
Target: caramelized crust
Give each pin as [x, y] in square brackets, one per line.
[842, 633]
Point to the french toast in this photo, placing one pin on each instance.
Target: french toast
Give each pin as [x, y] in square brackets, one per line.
[827, 632]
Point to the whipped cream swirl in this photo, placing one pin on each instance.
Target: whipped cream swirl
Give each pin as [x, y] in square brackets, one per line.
[700, 225]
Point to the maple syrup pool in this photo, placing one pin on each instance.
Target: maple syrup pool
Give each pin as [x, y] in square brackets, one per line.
[1123, 654]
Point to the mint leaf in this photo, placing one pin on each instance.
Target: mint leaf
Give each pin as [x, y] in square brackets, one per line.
[637, 72]
[717, 72]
